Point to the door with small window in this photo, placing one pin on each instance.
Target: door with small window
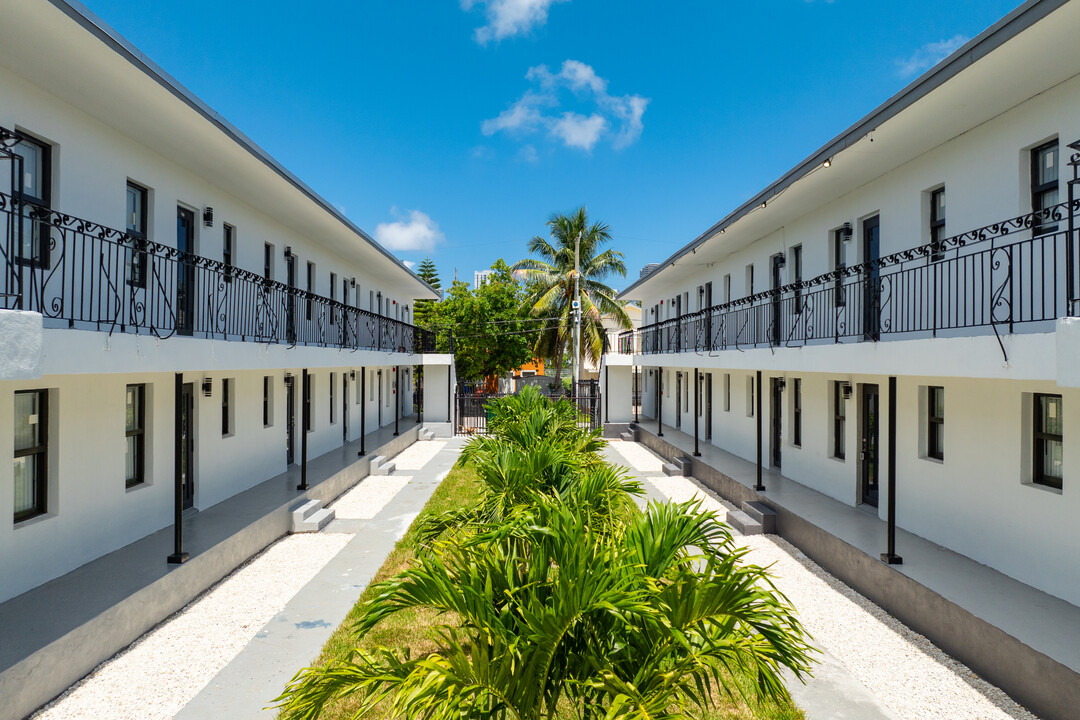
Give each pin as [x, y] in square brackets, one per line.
[185, 271]
[872, 279]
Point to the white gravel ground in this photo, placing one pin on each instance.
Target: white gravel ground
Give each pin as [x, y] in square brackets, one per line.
[907, 673]
[638, 456]
[165, 668]
[418, 454]
[368, 497]
[168, 666]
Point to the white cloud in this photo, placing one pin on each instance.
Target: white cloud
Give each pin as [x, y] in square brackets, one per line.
[408, 263]
[522, 115]
[579, 131]
[507, 18]
[616, 116]
[929, 55]
[418, 232]
[528, 154]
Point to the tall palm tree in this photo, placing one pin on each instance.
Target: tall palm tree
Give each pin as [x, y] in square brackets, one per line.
[551, 282]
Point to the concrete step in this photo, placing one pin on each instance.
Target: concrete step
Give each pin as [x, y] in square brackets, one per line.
[761, 514]
[305, 510]
[627, 436]
[685, 464]
[380, 466]
[426, 434]
[743, 523]
[310, 516]
[316, 522]
[671, 469]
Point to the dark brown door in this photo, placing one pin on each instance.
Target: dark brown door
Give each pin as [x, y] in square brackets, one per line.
[708, 406]
[290, 421]
[777, 403]
[344, 407]
[869, 451]
[872, 283]
[187, 444]
[678, 400]
[185, 271]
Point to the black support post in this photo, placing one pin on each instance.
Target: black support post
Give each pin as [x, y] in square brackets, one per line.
[396, 392]
[891, 557]
[660, 402]
[418, 375]
[363, 412]
[178, 556]
[305, 423]
[607, 371]
[697, 399]
[760, 487]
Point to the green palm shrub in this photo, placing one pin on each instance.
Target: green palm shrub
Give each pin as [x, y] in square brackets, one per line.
[559, 598]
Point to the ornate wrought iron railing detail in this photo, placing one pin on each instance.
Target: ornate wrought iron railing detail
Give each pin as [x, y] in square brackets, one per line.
[1017, 271]
[87, 281]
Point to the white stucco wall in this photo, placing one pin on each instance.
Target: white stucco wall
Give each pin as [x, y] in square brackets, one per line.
[21, 338]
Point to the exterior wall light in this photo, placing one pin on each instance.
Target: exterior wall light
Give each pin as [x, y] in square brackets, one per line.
[288, 251]
[845, 389]
[208, 216]
[827, 163]
[207, 387]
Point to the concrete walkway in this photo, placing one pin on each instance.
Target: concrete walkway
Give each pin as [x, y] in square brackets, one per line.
[294, 638]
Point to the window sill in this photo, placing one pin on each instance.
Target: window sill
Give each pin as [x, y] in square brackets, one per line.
[838, 459]
[227, 435]
[1040, 486]
[34, 520]
[934, 460]
[136, 486]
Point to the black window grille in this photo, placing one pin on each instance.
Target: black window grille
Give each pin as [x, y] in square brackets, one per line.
[135, 436]
[31, 453]
[1048, 437]
[937, 224]
[935, 423]
[1044, 186]
[839, 420]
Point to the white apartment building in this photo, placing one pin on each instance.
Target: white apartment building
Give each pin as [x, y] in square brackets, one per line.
[167, 290]
[896, 317]
[932, 242]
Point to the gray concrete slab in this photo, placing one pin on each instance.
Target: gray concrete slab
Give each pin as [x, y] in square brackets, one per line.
[294, 638]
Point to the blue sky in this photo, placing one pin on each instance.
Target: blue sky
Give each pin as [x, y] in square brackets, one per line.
[454, 128]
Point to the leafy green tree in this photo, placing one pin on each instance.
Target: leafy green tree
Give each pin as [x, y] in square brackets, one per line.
[551, 286]
[490, 336]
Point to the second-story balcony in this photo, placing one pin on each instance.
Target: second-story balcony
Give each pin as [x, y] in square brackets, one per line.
[82, 275]
[1011, 276]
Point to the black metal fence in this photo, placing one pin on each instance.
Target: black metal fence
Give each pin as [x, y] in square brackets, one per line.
[83, 275]
[472, 412]
[1021, 271]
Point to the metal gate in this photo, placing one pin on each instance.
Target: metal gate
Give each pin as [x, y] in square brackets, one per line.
[473, 414]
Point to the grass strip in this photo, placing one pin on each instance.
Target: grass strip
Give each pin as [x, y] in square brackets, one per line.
[411, 628]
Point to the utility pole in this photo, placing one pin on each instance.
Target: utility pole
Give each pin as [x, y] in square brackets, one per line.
[576, 306]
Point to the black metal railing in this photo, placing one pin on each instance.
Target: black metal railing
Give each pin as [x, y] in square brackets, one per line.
[472, 412]
[1019, 272]
[83, 275]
